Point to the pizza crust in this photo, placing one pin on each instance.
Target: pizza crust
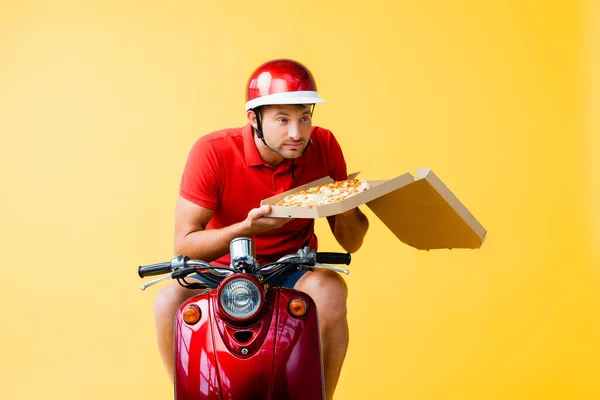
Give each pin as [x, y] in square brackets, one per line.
[328, 193]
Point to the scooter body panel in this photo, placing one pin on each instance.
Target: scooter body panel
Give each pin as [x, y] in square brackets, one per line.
[275, 356]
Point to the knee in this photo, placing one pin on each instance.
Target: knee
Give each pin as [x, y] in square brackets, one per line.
[333, 286]
[329, 291]
[166, 303]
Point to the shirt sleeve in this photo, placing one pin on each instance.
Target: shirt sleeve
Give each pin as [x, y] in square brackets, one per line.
[336, 164]
[200, 182]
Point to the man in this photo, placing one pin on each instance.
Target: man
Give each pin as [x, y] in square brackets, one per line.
[229, 172]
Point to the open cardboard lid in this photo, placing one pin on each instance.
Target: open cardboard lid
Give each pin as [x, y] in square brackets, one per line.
[422, 212]
[426, 215]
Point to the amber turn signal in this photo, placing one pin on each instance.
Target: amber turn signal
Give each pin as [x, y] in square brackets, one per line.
[191, 314]
[297, 307]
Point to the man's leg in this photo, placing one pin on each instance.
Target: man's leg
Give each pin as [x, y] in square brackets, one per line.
[168, 300]
[329, 291]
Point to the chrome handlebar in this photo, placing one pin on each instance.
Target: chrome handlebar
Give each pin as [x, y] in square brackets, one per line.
[243, 259]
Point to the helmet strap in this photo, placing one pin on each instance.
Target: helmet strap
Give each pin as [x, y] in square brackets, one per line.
[259, 129]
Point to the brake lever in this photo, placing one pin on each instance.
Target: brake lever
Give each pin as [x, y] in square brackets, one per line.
[323, 266]
[333, 268]
[155, 281]
[179, 268]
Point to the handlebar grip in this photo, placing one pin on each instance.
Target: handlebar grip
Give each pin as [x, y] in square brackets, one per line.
[333, 258]
[154, 269]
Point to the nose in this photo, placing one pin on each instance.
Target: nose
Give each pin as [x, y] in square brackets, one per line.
[294, 131]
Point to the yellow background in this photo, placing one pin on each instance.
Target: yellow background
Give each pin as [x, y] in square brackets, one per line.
[100, 102]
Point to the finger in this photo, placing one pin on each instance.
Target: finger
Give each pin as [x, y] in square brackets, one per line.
[261, 211]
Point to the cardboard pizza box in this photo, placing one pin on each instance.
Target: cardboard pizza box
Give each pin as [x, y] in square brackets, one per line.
[420, 210]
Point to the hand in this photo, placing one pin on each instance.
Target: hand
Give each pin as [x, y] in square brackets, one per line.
[256, 222]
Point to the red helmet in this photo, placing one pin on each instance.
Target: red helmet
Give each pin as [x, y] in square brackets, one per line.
[281, 82]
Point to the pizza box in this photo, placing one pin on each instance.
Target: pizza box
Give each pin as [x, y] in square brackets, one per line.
[420, 210]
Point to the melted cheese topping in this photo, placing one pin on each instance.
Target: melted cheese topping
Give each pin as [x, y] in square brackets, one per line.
[325, 194]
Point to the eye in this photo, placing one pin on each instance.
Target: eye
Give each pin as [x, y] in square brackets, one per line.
[304, 119]
[282, 120]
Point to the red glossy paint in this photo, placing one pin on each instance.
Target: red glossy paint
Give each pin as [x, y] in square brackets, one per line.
[279, 76]
[283, 359]
[259, 328]
[196, 374]
[298, 372]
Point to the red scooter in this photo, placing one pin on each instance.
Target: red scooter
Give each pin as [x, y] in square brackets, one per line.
[243, 338]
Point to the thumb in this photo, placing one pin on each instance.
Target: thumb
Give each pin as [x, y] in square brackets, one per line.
[265, 209]
[261, 211]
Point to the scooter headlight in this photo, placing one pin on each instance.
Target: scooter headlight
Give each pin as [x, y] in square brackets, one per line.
[240, 298]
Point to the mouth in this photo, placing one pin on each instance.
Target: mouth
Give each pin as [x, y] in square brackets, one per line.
[294, 145]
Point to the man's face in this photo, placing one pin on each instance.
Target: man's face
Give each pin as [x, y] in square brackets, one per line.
[286, 128]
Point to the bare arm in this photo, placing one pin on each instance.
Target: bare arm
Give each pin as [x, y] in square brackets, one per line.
[349, 229]
[193, 240]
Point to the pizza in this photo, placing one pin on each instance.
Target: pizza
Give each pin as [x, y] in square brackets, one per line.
[324, 194]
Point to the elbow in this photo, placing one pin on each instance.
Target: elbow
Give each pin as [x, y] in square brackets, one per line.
[353, 246]
[352, 249]
[351, 235]
[179, 245]
[352, 243]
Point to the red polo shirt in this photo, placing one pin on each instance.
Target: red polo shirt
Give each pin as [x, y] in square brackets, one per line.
[225, 173]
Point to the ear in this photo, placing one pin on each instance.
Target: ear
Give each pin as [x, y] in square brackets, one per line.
[252, 118]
